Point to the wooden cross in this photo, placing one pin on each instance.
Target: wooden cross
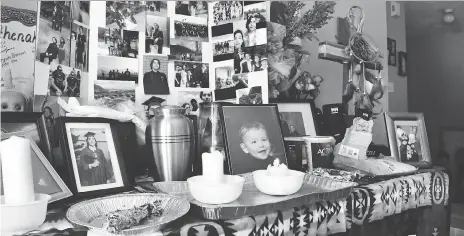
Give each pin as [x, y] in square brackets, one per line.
[336, 52]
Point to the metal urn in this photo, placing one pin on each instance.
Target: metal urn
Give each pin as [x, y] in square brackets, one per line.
[171, 143]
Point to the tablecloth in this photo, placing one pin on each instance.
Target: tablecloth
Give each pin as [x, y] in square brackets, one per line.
[423, 194]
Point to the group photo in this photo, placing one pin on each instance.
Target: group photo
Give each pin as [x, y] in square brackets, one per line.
[183, 50]
[248, 33]
[54, 36]
[64, 81]
[192, 8]
[157, 34]
[109, 42]
[250, 59]
[114, 68]
[156, 8]
[227, 11]
[191, 31]
[191, 75]
[223, 50]
[128, 15]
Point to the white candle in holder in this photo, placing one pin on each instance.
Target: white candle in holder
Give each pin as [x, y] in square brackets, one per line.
[213, 166]
[18, 182]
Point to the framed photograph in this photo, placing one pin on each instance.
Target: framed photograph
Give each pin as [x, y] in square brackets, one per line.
[391, 45]
[46, 180]
[94, 156]
[402, 60]
[253, 137]
[296, 119]
[407, 138]
[36, 125]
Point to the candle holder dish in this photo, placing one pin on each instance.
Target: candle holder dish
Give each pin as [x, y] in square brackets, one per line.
[208, 192]
[22, 218]
[278, 185]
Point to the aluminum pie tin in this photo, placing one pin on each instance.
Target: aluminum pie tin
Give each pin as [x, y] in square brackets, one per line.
[253, 202]
[83, 213]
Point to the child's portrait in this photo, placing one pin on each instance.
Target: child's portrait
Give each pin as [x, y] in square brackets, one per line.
[253, 137]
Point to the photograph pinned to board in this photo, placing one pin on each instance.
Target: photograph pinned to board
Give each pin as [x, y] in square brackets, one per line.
[79, 47]
[251, 59]
[18, 56]
[128, 15]
[222, 42]
[251, 35]
[60, 80]
[109, 92]
[130, 47]
[117, 69]
[224, 75]
[156, 8]
[109, 42]
[296, 119]
[244, 125]
[155, 75]
[227, 11]
[189, 28]
[190, 100]
[226, 88]
[250, 96]
[255, 13]
[45, 179]
[157, 35]
[54, 39]
[183, 50]
[192, 8]
[80, 11]
[191, 74]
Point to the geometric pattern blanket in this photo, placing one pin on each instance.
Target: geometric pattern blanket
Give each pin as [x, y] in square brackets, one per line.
[367, 203]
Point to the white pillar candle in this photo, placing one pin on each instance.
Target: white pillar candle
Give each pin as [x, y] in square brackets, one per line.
[213, 167]
[18, 183]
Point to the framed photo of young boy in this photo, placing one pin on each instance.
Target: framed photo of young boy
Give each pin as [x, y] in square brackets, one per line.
[253, 137]
[93, 153]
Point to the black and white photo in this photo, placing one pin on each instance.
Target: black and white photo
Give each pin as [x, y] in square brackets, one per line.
[250, 96]
[130, 47]
[192, 8]
[296, 119]
[128, 15]
[183, 50]
[225, 77]
[155, 78]
[189, 28]
[81, 11]
[250, 59]
[223, 48]
[256, 11]
[80, 47]
[227, 11]
[109, 42]
[119, 69]
[191, 75]
[64, 81]
[93, 156]
[253, 137]
[54, 34]
[109, 92]
[157, 34]
[249, 33]
[156, 8]
[190, 100]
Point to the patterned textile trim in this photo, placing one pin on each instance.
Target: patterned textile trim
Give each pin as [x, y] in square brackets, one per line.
[26, 17]
[376, 201]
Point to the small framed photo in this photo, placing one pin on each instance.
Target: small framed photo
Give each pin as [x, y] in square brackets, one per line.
[253, 137]
[402, 60]
[296, 119]
[93, 155]
[46, 179]
[407, 138]
[37, 125]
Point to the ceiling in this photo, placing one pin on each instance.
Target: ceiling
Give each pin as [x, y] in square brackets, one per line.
[422, 15]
